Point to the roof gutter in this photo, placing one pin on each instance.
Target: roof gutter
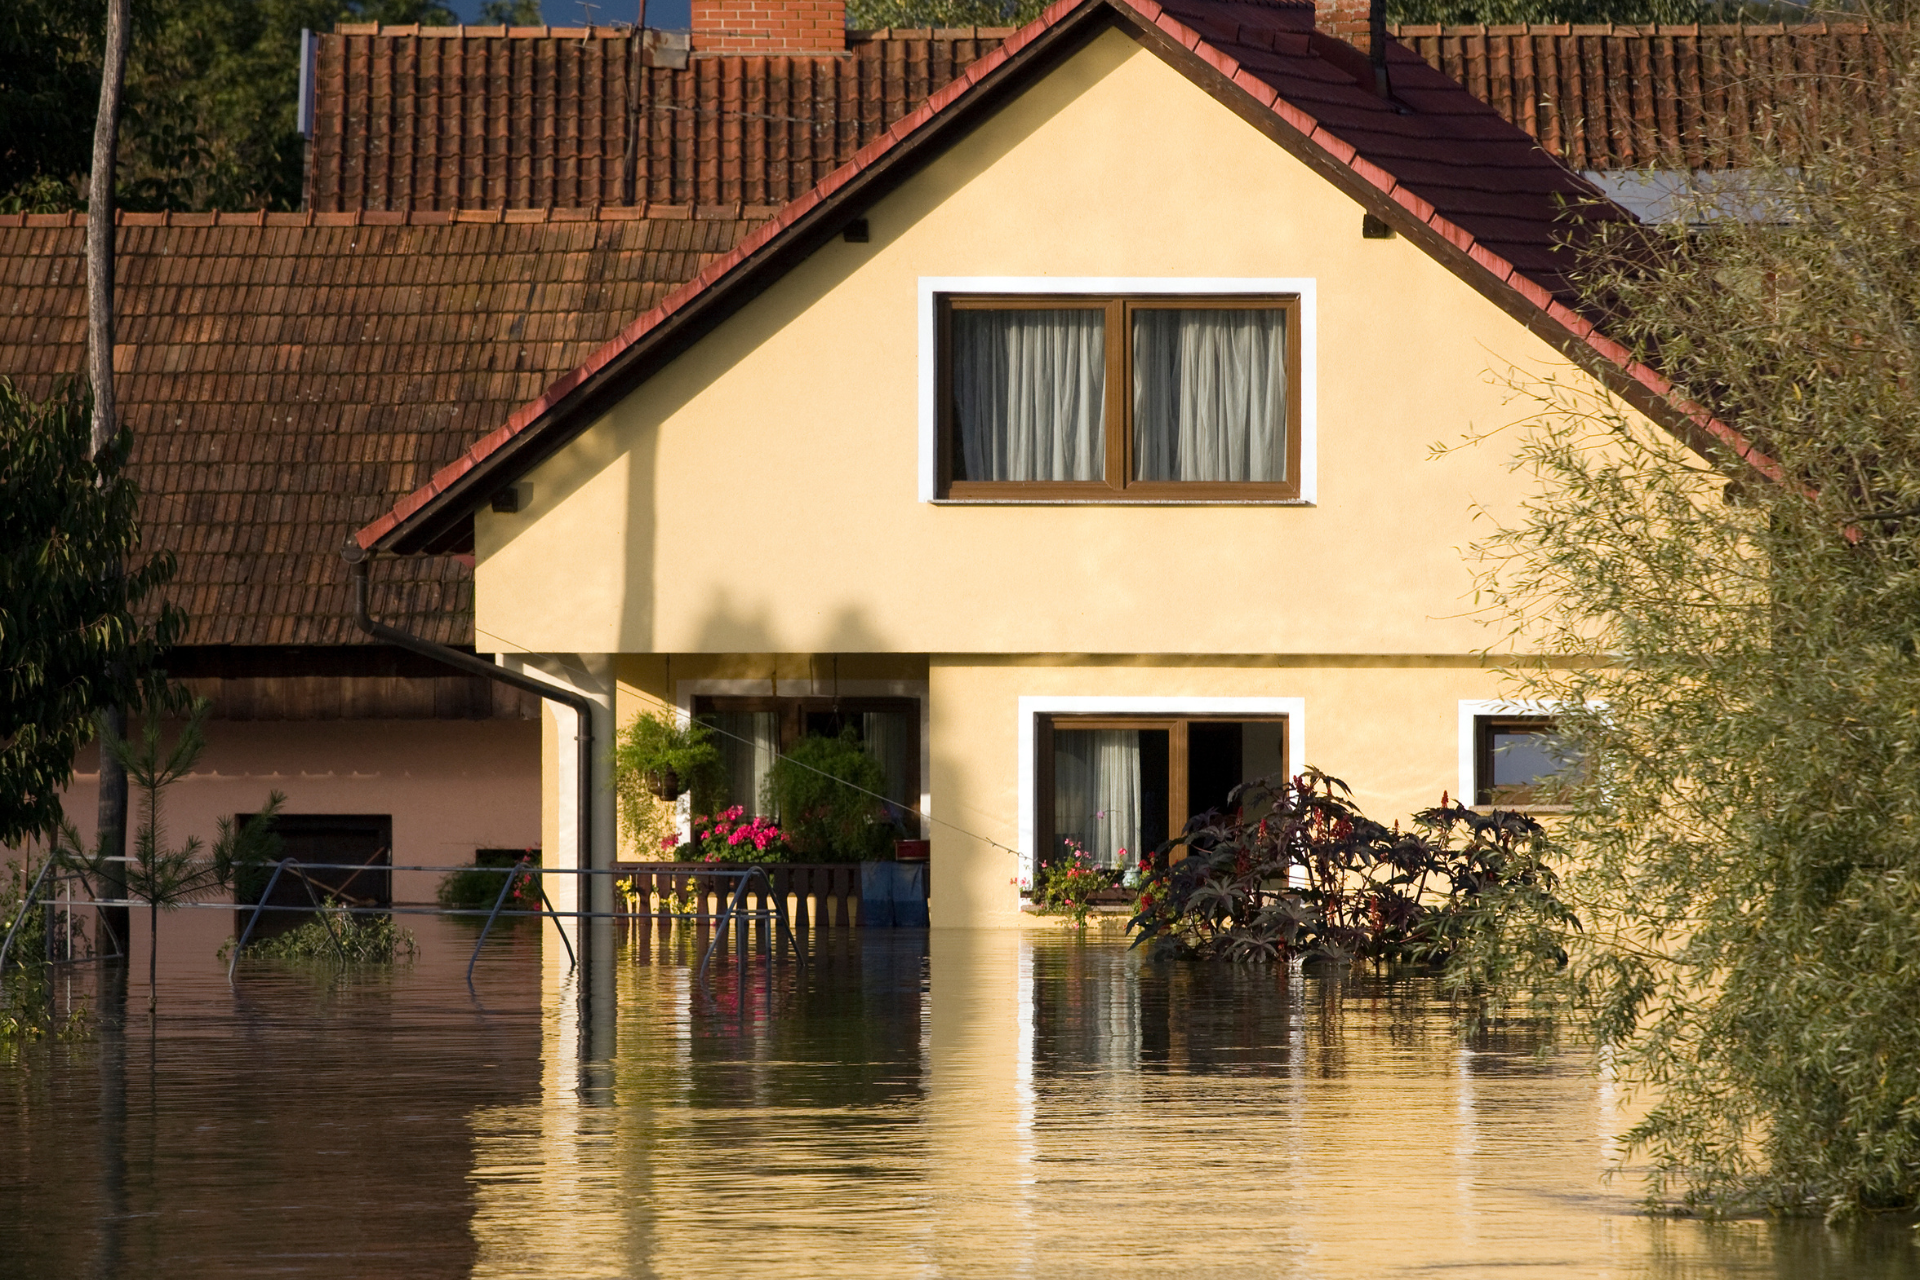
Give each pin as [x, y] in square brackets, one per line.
[362, 561]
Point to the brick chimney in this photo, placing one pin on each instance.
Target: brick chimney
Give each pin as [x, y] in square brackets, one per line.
[769, 26]
[1362, 24]
[1348, 20]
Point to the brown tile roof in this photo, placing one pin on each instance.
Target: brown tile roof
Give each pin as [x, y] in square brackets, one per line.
[1442, 167]
[483, 117]
[1622, 97]
[525, 117]
[287, 379]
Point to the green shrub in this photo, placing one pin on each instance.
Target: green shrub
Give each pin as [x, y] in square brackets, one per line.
[827, 795]
[478, 887]
[364, 939]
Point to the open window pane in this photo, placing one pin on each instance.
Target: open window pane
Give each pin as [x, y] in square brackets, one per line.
[1029, 394]
[1222, 754]
[1210, 394]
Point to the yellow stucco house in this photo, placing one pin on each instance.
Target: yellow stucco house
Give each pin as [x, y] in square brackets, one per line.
[1072, 444]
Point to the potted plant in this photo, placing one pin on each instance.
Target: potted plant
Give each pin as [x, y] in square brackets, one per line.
[656, 760]
[828, 794]
[731, 836]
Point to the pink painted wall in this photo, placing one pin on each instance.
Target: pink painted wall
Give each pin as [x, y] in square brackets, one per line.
[451, 786]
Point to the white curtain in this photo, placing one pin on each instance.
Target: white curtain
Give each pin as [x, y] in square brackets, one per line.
[1210, 394]
[749, 741]
[1029, 394]
[1096, 793]
[888, 737]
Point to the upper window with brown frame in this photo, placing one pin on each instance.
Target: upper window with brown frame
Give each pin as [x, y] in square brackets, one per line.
[1119, 398]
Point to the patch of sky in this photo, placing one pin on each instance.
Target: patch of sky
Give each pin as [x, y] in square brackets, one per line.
[668, 15]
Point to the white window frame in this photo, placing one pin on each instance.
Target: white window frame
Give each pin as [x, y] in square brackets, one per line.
[1034, 706]
[931, 287]
[1471, 709]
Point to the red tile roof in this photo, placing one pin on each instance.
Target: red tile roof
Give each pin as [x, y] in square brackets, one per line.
[483, 117]
[1440, 166]
[1621, 97]
[287, 379]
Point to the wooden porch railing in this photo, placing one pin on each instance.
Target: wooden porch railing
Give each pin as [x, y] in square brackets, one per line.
[826, 894]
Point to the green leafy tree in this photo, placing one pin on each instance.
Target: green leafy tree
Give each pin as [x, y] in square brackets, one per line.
[211, 117]
[1736, 642]
[1469, 12]
[870, 14]
[76, 635]
[511, 13]
[158, 873]
[49, 85]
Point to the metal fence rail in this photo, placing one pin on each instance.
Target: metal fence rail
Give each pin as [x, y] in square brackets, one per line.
[743, 906]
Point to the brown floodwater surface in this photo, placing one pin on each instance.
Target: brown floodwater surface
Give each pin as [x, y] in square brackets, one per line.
[911, 1104]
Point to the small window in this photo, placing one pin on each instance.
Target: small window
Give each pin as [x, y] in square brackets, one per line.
[1118, 787]
[1518, 762]
[1120, 398]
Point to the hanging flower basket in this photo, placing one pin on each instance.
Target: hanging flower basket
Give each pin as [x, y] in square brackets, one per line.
[664, 784]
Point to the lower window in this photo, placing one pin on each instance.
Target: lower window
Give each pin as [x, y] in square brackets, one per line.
[1518, 761]
[756, 731]
[1118, 787]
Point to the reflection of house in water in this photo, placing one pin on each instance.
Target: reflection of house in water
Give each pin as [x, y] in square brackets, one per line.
[1044, 1107]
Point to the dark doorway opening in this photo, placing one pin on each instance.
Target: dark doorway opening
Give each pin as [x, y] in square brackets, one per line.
[360, 847]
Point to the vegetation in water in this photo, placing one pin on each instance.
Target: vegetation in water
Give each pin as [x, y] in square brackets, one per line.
[28, 1010]
[478, 887]
[335, 934]
[1292, 870]
[163, 875]
[656, 760]
[78, 627]
[828, 796]
[1734, 646]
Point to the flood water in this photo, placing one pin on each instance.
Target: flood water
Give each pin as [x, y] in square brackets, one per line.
[912, 1104]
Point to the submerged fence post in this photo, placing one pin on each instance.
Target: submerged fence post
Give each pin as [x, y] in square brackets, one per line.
[493, 915]
[26, 905]
[322, 912]
[254, 919]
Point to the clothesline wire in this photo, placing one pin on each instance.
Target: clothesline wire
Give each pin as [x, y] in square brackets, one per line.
[713, 728]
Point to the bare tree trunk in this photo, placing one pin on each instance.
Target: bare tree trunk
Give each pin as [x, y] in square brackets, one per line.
[112, 826]
[106, 137]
